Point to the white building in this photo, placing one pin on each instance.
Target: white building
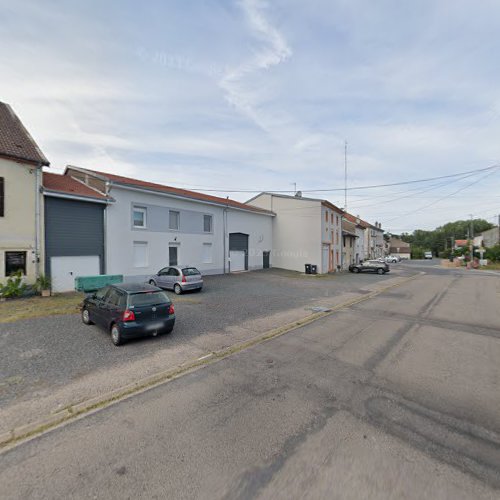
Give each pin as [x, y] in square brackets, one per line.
[305, 231]
[359, 245]
[149, 226]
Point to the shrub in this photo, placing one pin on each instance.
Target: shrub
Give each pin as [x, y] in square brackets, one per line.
[14, 286]
[42, 283]
[493, 253]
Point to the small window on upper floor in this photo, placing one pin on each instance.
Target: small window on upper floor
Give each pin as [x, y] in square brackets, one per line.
[326, 215]
[331, 218]
[207, 223]
[173, 220]
[139, 217]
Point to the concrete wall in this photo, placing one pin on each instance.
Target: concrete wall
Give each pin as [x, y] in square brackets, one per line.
[120, 234]
[17, 227]
[296, 231]
[260, 235]
[331, 235]
[491, 237]
[359, 248]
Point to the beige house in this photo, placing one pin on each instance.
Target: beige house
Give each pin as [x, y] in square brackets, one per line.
[305, 231]
[349, 238]
[21, 207]
[399, 248]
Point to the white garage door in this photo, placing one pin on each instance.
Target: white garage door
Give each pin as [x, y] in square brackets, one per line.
[64, 270]
[237, 260]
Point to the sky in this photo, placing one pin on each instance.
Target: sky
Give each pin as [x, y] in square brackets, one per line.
[257, 95]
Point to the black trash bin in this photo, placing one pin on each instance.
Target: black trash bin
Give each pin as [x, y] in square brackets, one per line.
[308, 268]
[314, 269]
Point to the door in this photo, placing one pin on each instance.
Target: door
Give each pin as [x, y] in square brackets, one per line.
[325, 260]
[238, 242]
[172, 256]
[237, 260]
[265, 257]
[161, 277]
[173, 277]
[96, 305]
[64, 270]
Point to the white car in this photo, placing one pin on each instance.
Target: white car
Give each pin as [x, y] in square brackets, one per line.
[428, 255]
[392, 258]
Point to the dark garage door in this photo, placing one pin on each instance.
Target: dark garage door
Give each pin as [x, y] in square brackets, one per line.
[238, 242]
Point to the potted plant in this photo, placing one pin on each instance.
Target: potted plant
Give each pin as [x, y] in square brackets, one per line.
[43, 285]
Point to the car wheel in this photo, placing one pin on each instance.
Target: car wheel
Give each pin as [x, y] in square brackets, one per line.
[116, 336]
[380, 271]
[177, 289]
[152, 282]
[355, 270]
[86, 317]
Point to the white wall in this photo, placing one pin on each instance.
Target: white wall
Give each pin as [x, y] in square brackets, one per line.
[360, 244]
[296, 231]
[17, 227]
[120, 234]
[260, 235]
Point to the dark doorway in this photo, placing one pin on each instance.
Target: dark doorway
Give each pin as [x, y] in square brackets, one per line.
[172, 256]
[265, 263]
[238, 242]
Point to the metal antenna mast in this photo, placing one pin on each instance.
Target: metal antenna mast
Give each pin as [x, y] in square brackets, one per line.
[345, 176]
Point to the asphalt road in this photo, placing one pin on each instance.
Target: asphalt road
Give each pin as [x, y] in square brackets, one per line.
[40, 355]
[397, 397]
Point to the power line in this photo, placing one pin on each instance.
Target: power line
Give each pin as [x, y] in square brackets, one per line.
[443, 198]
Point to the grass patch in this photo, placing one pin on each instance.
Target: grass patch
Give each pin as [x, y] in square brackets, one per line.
[495, 266]
[38, 307]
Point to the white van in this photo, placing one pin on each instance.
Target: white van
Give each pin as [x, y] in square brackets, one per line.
[428, 255]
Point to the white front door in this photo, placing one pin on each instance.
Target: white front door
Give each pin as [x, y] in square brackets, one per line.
[64, 270]
[237, 260]
[325, 261]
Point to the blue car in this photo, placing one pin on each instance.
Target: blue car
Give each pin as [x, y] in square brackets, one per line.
[129, 311]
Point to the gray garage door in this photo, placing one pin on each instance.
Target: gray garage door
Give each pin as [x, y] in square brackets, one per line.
[238, 242]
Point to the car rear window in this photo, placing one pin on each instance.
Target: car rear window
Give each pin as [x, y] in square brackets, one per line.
[190, 271]
[148, 299]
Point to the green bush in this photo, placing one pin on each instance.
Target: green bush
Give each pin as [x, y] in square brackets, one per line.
[417, 253]
[14, 286]
[493, 253]
[42, 283]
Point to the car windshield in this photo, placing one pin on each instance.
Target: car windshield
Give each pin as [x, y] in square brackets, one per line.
[190, 271]
[148, 299]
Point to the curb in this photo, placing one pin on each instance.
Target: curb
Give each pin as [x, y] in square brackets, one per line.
[73, 412]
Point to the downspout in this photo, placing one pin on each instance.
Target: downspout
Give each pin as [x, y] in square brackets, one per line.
[38, 194]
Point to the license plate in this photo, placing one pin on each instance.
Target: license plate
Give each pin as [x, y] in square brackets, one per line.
[154, 326]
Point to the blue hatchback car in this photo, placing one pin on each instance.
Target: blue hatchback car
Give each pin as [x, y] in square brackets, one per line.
[129, 310]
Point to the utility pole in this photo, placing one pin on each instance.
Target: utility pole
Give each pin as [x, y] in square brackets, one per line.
[294, 188]
[471, 244]
[345, 176]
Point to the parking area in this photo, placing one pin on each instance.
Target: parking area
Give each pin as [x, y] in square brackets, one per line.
[42, 355]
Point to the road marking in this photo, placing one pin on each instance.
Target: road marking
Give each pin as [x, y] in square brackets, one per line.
[206, 356]
[74, 412]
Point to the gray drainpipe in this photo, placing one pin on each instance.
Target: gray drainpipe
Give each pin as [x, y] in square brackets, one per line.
[38, 185]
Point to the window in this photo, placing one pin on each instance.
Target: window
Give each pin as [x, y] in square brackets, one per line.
[115, 298]
[14, 262]
[139, 217]
[148, 299]
[140, 254]
[100, 294]
[331, 218]
[173, 220]
[207, 253]
[207, 223]
[326, 215]
[190, 271]
[2, 196]
[173, 272]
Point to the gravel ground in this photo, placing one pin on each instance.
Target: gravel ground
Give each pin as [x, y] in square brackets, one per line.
[41, 354]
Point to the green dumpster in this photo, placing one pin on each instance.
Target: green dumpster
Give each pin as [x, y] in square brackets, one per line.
[92, 283]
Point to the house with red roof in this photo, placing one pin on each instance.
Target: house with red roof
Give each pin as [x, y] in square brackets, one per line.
[100, 222]
[21, 207]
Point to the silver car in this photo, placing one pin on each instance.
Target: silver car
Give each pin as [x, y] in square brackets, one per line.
[178, 278]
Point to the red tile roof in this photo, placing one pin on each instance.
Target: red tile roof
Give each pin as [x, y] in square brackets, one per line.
[67, 185]
[461, 243]
[15, 140]
[118, 179]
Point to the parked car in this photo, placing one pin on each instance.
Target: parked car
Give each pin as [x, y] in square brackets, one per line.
[178, 278]
[129, 310]
[392, 258]
[428, 255]
[375, 266]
